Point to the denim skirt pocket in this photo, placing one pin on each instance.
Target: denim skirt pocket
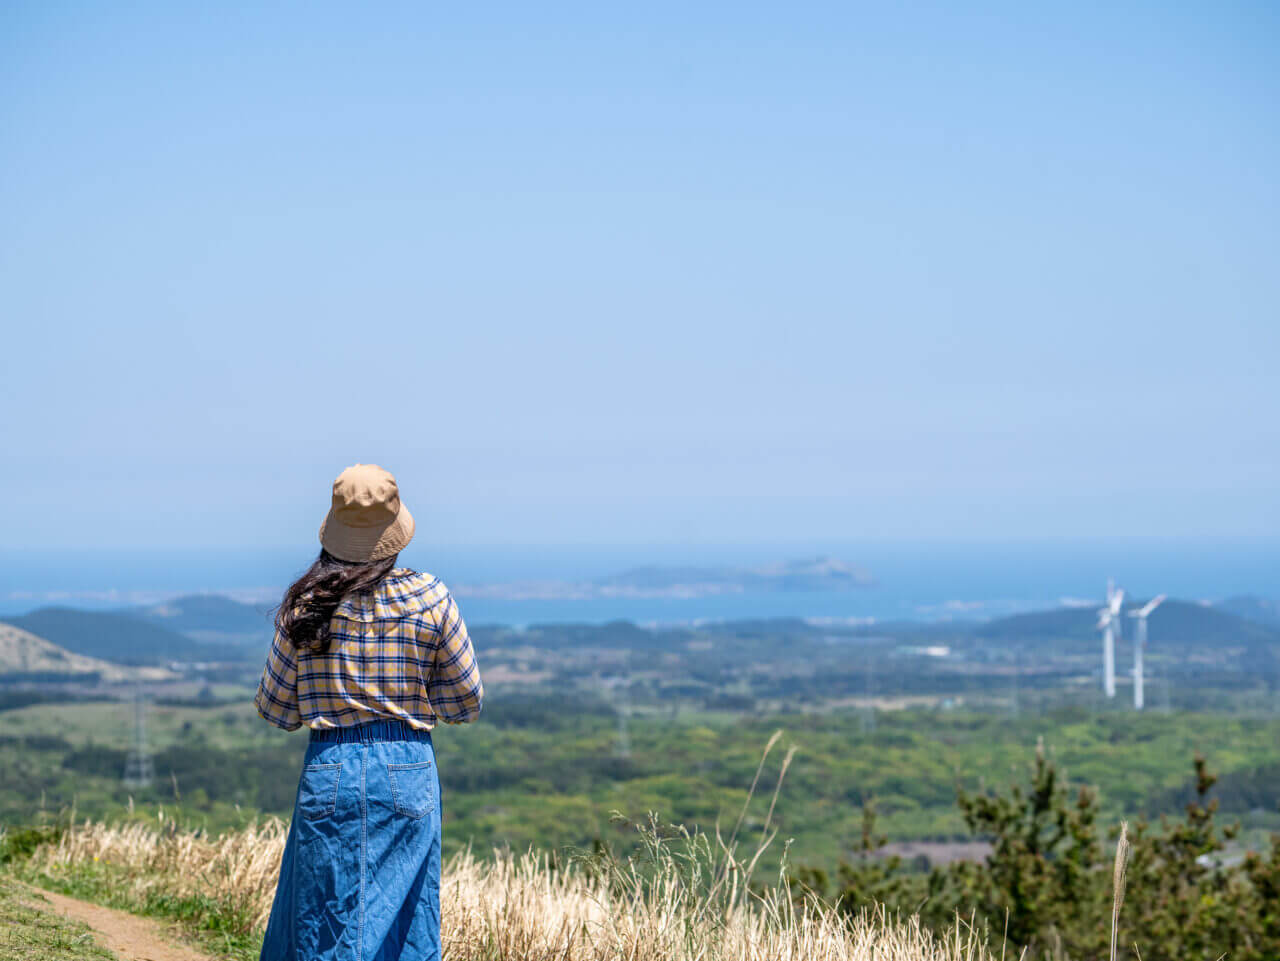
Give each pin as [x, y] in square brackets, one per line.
[318, 791]
[412, 789]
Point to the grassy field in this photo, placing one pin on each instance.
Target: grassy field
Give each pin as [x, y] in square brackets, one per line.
[529, 774]
[28, 933]
[685, 902]
[534, 777]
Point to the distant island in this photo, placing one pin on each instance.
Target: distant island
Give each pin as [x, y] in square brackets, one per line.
[819, 574]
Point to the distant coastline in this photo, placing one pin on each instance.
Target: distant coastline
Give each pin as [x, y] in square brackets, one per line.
[819, 574]
[933, 581]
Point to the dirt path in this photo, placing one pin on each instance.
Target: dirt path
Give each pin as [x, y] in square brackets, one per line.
[130, 937]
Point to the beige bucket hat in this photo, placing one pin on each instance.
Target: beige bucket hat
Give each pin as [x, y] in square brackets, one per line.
[366, 521]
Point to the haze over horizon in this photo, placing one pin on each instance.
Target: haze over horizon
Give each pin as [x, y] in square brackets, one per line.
[913, 580]
[657, 275]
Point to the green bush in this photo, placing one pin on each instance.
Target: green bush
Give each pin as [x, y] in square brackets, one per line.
[1047, 883]
[17, 844]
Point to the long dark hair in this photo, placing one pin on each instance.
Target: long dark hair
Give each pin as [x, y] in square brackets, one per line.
[303, 616]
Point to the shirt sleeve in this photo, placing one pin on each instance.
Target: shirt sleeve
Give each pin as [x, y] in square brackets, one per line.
[277, 699]
[454, 690]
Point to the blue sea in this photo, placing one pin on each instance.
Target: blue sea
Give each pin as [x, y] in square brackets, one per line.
[914, 580]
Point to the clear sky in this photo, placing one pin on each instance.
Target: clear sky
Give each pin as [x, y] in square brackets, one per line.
[662, 272]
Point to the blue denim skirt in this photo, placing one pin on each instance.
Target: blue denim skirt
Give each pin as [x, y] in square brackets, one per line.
[360, 876]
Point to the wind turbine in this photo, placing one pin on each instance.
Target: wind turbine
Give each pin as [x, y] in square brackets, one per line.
[1140, 642]
[1109, 624]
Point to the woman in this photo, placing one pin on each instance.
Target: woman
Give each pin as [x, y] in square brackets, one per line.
[369, 656]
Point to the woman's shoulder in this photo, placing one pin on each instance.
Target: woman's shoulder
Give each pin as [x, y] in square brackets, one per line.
[408, 589]
[408, 577]
[402, 593]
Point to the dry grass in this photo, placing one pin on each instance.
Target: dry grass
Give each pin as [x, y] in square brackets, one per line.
[678, 905]
[237, 869]
[685, 898]
[1119, 875]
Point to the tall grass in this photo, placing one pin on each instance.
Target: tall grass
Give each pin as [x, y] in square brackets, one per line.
[686, 900]
[1119, 875]
[685, 897]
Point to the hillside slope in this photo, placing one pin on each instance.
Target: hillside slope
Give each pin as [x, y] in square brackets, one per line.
[34, 932]
[1257, 609]
[212, 618]
[122, 638]
[504, 906]
[22, 652]
[1174, 622]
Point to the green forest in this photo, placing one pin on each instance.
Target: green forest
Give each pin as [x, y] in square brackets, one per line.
[532, 773]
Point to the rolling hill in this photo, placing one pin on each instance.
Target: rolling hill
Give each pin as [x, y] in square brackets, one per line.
[1174, 622]
[121, 638]
[24, 654]
[213, 618]
[1257, 609]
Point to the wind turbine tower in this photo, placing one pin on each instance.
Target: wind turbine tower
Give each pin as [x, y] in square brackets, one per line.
[1109, 624]
[1139, 644]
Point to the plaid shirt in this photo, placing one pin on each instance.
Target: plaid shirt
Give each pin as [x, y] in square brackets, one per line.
[401, 651]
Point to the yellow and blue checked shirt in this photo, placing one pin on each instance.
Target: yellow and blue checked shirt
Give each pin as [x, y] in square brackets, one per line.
[401, 651]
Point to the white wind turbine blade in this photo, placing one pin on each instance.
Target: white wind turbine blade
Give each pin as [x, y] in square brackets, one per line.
[1117, 601]
[1150, 606]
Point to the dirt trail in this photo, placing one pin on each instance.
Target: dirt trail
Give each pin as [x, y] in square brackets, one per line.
[130, 937]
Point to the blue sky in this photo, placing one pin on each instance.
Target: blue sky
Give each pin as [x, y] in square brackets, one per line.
[666, 273]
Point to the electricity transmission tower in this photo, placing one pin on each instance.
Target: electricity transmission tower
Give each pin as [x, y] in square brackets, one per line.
[869, 690]
[138, 769]
[1013, 693]
[624, 735]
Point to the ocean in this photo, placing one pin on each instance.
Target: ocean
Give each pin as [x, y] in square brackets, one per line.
[914, 580]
